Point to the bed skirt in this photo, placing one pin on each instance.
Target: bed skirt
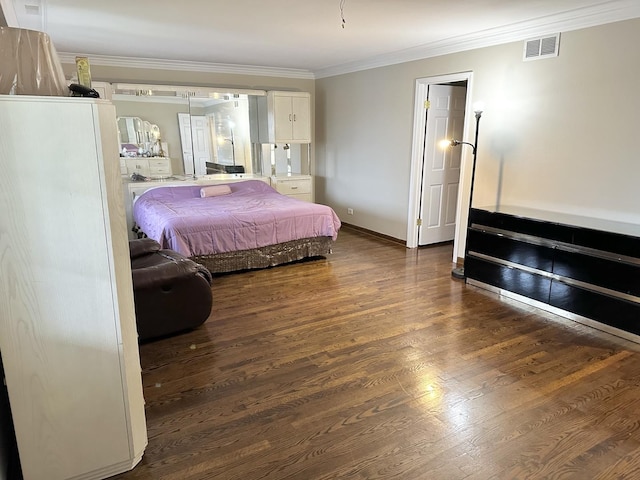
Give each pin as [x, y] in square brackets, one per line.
[268, 256]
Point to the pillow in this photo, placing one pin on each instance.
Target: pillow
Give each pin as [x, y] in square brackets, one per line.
[215, 190]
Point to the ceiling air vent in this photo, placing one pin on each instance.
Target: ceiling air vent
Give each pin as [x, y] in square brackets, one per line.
[543, 47]
[32, 9]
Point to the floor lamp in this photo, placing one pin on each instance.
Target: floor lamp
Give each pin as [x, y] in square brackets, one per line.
[458, 272]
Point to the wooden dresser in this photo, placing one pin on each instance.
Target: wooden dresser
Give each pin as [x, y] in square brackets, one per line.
[582, 268]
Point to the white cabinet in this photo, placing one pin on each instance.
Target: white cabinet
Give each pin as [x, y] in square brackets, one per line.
[154, 167]
[67, 323]
[288, 117]
[296, 186]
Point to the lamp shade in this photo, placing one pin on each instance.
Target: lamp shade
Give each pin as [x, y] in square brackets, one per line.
[29, 64]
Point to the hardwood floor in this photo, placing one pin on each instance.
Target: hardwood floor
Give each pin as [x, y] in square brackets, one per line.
[375, 364]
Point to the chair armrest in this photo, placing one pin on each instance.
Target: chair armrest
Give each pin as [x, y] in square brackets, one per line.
[204, 272]
[178, 257]
[163, 273]
[142, 246]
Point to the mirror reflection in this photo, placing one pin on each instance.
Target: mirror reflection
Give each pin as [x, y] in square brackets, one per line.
[220, 134]
[139, 137]
[130, 129]
[199, 134]
[161, 113]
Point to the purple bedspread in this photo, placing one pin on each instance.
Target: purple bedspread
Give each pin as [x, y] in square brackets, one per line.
[253, 215]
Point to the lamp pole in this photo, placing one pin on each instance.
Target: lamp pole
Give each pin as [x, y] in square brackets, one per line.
[233, 148]
[458, 272]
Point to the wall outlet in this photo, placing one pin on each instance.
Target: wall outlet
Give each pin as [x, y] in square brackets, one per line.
[349, 211]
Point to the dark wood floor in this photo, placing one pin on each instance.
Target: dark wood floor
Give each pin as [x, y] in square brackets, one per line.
[375, 364]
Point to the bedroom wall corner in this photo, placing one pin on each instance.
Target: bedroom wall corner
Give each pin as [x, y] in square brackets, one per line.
[545, 137]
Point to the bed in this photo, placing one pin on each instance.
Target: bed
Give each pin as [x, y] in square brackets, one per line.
[241, 225]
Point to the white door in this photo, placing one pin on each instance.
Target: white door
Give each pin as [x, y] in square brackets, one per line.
[184, 122]
[283, 118]
[301, 126]
[201, 137]
[441, 167]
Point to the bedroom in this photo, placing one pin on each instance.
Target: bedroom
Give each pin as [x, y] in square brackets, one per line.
[582, 106]
[529, 108]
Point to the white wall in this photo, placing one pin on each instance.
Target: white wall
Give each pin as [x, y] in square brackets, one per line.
[555, 132]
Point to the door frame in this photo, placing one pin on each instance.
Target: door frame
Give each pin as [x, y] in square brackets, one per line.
[417, 152]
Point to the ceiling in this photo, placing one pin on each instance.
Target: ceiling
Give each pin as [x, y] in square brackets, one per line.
[305, 36]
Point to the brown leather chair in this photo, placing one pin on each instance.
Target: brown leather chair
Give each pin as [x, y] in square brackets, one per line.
[172, 293]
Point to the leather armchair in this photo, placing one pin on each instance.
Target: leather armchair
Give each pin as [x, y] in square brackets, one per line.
[172, 293]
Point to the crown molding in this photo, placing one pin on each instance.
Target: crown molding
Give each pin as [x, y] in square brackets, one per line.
[159, 64]
[608, 12]
[585, 17]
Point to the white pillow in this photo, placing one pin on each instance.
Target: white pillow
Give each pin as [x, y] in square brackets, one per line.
[215, 190]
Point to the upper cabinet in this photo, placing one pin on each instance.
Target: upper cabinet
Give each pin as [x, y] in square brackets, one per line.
[288, 117]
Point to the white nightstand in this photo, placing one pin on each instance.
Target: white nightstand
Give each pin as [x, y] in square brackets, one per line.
[296, 186]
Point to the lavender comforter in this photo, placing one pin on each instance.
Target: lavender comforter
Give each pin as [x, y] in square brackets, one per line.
[253, 215]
